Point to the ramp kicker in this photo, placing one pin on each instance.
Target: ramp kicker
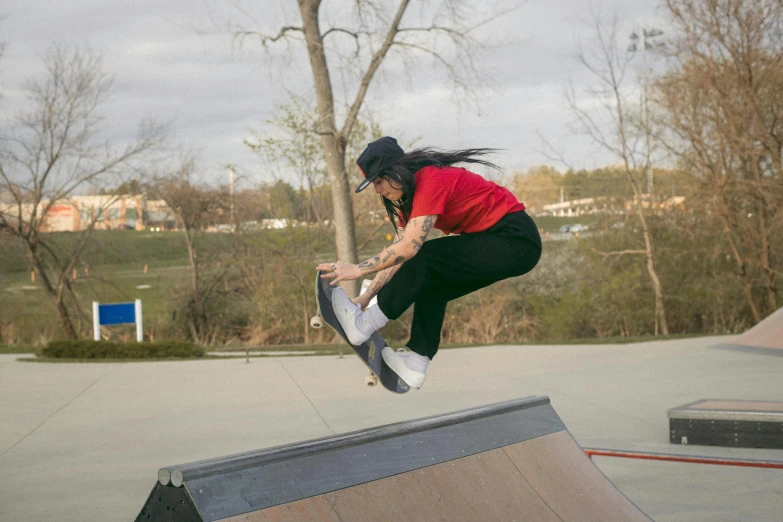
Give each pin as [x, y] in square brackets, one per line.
[513, 460]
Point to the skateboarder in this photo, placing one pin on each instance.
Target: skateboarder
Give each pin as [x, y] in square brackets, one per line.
[421, 189]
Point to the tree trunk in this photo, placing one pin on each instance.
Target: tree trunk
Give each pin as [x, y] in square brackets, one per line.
[723, 212]
[198, 319]
[660, 311]
[63, 313]
[305, 317]
[333, 143]
[764, 256]
[765, 259]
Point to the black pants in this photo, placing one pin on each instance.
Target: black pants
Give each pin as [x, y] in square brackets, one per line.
[450, 267]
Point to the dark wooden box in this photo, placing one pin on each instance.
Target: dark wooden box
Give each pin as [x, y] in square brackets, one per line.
[733, 423]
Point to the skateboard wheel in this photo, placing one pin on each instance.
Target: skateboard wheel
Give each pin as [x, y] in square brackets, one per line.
[371, 380]
[316, 322]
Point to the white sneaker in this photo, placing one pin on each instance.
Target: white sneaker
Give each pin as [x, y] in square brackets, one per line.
[396, 361]
[346, 312]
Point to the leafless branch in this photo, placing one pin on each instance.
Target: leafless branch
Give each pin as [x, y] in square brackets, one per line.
[264, 39]
[618, 252]
[375, 63]
[551, 152]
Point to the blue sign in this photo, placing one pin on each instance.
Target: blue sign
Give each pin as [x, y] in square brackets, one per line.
[120, 313]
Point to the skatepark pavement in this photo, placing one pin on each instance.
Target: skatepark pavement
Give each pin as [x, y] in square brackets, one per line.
[83, 442]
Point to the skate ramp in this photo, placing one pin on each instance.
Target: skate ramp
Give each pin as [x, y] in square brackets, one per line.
[767, 334]
[766, 337]
[509, 461]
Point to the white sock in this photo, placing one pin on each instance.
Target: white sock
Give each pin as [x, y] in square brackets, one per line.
[416, 362]
[371, 320]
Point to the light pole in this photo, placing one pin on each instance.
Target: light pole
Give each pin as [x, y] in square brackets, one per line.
[643, 40]
[231, 193]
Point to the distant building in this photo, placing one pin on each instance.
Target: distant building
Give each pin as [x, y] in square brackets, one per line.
[580, 207]
[109, 213]
[158, 215]
[605, 205]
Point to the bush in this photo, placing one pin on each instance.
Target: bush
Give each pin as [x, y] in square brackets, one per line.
[82, 349]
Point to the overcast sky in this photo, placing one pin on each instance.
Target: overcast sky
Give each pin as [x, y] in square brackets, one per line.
[165, 68]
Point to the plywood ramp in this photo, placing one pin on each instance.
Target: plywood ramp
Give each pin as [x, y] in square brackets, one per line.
[480, 487]
[313, 509]
[545, 479]
[508, 461]
[558, 470]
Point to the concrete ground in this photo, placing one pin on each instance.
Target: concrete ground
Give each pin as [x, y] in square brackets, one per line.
[83, 442]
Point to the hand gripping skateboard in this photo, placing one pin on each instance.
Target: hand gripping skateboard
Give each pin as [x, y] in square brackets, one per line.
[369, 351]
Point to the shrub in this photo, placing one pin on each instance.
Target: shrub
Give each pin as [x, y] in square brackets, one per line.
[83, 349]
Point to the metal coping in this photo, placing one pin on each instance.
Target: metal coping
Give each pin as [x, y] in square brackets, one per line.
[177, 475]
[756, 350]
[286, 474]
[686, 412]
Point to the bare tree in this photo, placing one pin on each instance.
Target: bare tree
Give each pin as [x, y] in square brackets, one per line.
[52, 151]
[722, 103]
[195, 208]
[294, 147]
[620, 130]
[375, 30]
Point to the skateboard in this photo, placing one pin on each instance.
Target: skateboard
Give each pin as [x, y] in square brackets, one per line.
[369, 351]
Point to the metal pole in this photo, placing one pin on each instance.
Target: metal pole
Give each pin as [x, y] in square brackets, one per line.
[139, 328]
[691, 459]
[646, 117]
[231, 192]
[96, 321]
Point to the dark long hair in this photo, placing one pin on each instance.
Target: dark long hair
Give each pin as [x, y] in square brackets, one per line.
[401, 174]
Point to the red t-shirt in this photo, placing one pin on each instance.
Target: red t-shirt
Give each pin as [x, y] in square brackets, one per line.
[464, 201]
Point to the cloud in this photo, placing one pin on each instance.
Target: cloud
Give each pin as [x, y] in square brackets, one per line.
[164, 69]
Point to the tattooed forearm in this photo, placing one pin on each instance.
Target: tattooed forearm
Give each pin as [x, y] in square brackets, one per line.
[386, 259]
[370, 264]
[380, 280]
[405, 250]
[389, 253]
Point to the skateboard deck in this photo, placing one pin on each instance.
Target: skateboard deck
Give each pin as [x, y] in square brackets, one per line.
[369, 351]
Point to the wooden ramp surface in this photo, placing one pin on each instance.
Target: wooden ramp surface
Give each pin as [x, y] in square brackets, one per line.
[507, 461]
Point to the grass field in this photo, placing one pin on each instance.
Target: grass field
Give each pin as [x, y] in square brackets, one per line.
[552, 224]
[115, 263]
[26, 307]
[113, 270]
